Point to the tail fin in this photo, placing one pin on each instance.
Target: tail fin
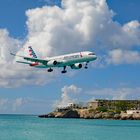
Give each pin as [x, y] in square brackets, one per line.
[31, 52]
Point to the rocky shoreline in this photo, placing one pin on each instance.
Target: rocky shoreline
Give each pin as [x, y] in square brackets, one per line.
[91, 114]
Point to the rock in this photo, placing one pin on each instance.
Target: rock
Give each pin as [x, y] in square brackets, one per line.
[136, 116]
[50, 115]
[71, 114]
[86, 114]
[89, 116]
[130, 117]
[117, 116]
[43, 116]
[107, 115]
[64, 114]
[83, 113]
[125, 116]
[98, 116]
[58, 115]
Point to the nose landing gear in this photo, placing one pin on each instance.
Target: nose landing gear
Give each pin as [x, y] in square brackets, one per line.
[86, 65]
[50, 70]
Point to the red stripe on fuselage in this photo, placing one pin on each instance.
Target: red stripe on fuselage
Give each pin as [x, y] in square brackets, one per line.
[34, 64]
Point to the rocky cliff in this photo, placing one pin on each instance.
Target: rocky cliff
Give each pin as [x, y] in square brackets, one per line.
[90, 114]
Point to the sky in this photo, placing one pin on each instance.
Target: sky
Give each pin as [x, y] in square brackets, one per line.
[109, 28]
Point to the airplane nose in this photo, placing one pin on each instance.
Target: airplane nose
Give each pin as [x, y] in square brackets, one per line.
[95, 57]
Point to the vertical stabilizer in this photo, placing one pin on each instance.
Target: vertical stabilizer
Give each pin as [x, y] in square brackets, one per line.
[31, 52]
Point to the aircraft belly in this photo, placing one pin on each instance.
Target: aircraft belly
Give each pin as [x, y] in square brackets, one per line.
[41, 66]
[71, 62]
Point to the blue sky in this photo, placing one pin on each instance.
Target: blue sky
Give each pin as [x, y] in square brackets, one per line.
[38, 99]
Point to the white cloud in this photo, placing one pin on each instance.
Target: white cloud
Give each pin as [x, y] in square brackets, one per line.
[12, 104]
[18, 102]
[79, 25]
[132, 29]
[24, 105]
[119, 56]
[7, 44]
[3, 102]
[116, 93]
[67, 92]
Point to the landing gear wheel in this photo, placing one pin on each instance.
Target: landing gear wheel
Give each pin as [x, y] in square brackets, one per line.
[64, 70]
[86, 65]
[50, 70]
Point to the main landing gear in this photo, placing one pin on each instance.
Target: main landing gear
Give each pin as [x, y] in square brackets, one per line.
[86, 65]
[50, 70]
[64, 70]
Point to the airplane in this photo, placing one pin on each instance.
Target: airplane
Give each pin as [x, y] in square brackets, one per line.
[73, 60]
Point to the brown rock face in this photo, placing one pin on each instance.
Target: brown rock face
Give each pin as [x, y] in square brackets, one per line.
[98, 116]
[123, 116]
[136, 116]
[117, 116]
[86, 114]
[71, 114]
[107, 115]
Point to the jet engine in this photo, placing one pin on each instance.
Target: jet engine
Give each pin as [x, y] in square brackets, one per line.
[52, 63]
[76, 66]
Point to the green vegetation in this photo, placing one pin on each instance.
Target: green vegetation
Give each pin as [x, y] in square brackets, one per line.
[124, 105]
[116, 106]
[102, 109]
[92, 110]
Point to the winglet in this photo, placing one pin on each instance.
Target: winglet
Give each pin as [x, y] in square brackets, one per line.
[13, 54]
[16, 55]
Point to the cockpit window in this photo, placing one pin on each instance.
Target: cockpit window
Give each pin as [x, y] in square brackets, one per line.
[91, 54]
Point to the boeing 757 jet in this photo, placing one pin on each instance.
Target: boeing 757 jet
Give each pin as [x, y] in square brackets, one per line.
[73, 60]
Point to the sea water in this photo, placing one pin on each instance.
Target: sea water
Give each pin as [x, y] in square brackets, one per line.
[26, 127]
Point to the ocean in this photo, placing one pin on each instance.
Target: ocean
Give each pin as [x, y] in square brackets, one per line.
[26, 127]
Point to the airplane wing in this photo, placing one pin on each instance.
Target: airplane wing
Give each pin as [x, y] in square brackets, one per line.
[32, 59]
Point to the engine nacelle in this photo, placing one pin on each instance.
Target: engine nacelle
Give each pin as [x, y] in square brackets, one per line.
[52, 63]
[76, 66]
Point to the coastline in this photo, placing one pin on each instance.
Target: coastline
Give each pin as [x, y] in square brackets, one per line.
[90, 114]
[99, 109]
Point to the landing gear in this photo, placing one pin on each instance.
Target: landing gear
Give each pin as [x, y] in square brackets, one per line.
[64, 70]
[50, 70]
[86, 65]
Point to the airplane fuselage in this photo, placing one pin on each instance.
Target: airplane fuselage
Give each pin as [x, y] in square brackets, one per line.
[68, 59]
[72, 60]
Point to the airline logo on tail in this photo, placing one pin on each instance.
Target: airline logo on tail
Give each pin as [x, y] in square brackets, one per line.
[31, 52]
[33, 55]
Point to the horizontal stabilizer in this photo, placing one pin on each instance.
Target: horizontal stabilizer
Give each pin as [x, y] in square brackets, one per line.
[23, 62]
[31, 59]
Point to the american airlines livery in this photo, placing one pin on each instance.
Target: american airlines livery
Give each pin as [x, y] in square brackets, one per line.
[73, 60]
